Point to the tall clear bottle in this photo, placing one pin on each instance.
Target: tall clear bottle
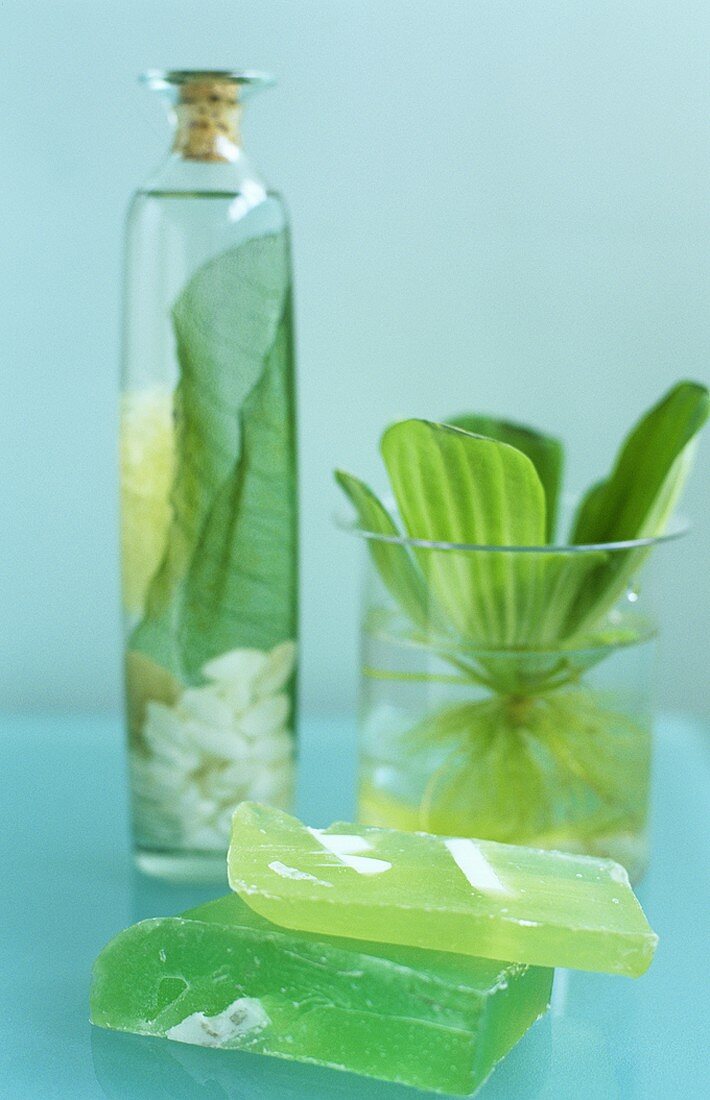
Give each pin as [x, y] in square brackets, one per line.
[208, 485]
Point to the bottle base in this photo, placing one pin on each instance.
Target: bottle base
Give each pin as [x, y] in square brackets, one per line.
[182, 866]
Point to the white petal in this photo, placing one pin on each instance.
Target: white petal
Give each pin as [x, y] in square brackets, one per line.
[266, 716]
[237, 695]
[206, 705]
[235, 775]
[277, 671]
[193, 806]
[166, 777]
[183, 759]
[162, 725]
[167, 742]
[274, 785]
[227, 784]
[221, 742]
[273, 749]
[238, 665]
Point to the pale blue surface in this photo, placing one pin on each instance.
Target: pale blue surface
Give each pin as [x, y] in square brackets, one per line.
[68, 886]
[496, 206]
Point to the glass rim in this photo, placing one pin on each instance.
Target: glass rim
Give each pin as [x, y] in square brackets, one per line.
[679, 527]
[247, 79]
[647, 632]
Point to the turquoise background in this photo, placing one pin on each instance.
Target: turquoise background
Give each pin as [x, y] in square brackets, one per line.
[499, 206]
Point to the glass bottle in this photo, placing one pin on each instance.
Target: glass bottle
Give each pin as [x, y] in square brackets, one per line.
[208, 485]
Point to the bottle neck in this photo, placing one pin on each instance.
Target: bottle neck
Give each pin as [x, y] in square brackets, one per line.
[208, 116]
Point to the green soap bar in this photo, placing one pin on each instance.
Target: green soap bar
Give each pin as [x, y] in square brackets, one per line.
[222, 976]
[473, 897]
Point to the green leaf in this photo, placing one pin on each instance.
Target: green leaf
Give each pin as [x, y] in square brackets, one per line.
[398, 571]
[544, 451]
[495, 487]
[559, 578]
[455, 487]
[231, 329]
[638, 497]
[240, 589]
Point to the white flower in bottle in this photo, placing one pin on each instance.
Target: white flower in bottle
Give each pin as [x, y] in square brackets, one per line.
[218, 744]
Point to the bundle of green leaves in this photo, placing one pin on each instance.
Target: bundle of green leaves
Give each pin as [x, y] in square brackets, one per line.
[489, 488]
[227, 575]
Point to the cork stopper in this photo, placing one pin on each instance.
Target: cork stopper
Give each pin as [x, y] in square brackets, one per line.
[208, 112]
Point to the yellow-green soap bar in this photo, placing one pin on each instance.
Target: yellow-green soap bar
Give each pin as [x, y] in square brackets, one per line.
[472, 897]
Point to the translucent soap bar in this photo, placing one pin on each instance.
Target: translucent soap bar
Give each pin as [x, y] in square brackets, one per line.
[222, 976]
[499, 901]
